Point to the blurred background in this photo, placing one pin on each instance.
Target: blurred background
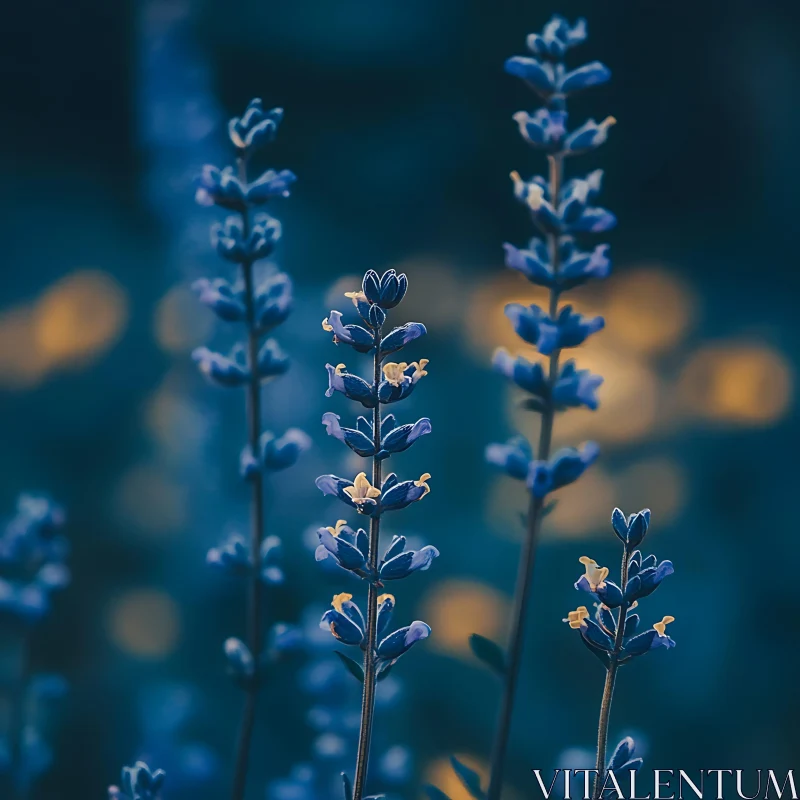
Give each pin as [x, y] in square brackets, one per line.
[398, 125]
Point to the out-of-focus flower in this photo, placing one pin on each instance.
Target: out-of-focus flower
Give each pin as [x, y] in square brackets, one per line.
[255, 127]
[138, 782]
[274, 453]
[563, 468]
[233, 556]
[575, 266]
[568, 329]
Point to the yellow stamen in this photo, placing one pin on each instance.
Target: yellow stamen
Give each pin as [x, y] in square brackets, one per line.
[661, 626]
[608, 122]
[335, 531]
[340, 368]
[419, 371]
[384, 597]
[534, 194]
[356, 297]
[361, 490]
[426, 476]
[576, 618]
[340, 599]
[394, 372]
[326, 326]
[595, 574]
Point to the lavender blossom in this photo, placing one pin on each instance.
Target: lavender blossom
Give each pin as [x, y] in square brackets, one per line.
[260, 303]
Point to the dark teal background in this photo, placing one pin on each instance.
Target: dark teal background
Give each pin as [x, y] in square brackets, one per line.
[398, 127]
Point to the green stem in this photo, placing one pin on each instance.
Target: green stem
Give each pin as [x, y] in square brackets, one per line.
[368, 696]
[528, 555]
[254, 610]
[608, 689]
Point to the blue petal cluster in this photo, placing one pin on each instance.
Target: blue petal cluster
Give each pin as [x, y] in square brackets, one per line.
[233, 556]
[346, 623]
[615, 639]
[138, 782]
[563, 211]
[33, 557]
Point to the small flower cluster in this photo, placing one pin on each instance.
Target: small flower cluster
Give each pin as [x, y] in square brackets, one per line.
[377, 439]
[138, 782]
[613, 639]
[32, 559]
[33, 555]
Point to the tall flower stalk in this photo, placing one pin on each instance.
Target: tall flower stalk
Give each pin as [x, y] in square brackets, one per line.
[375, 439]
[611, 635]
[32, 566]
[260, 301]
[560, 211]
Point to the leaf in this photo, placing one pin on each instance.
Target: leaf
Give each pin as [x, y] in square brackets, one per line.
[470, 778]
[348, 787]
[549, 508]
[489, 652]
[434, 793]
[352, 667]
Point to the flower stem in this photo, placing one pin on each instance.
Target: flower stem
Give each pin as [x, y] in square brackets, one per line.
[528, 555]
[368, 696]
[254, 623]
[608, 689]
[19, 780]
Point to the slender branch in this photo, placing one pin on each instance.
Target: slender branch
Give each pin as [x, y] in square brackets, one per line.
[254, 611]
[608, 689]
[17, 723]
[368, 696]
[528, 555]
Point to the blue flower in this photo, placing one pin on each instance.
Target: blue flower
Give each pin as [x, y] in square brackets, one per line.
[569, 329]
[595, 582]
[351, 386]
[543, 129]
[274, 453]
[399, 379]
[272, 360]
[344, 620]
[367, 499]
[255, 127]
[138, 782]
[565, 467]
[361, 439]
[233, 556]
[557, 37]
[219, 187]
[348, 548]
[590, 135]
[270, 184]
[575, 267]
[552, 80]
[514, 457]
[645, 576]
[573, 387]
[346, 623]
[399, 337]
[241, 664]
[572, 214]
[649, 640]
[360, 339]
[399, 563]
[385, 291]
[225, 371]
[229, 240]
[225, 300]
[631, 530]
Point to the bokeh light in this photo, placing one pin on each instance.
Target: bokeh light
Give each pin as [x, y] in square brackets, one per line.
[648, 308]
[145, 623]
[180, 323]
[457, 608]
[737, 382]
[148, 498]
